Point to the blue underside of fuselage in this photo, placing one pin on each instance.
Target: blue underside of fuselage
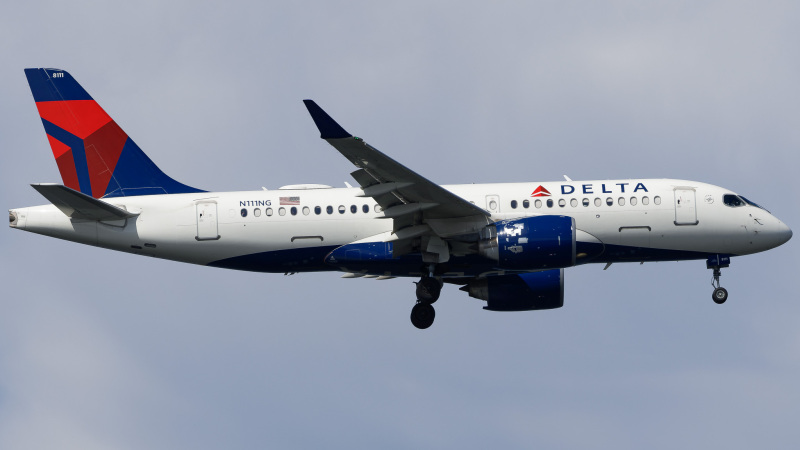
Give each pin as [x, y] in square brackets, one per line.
[312, 259]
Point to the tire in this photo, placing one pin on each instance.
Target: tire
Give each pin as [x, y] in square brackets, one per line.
[428, 290]
[719, 295]
[422, 315]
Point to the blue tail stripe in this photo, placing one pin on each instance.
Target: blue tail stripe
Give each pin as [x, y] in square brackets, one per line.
[78, 153]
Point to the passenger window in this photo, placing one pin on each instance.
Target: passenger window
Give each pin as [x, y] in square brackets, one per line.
[598, 202]
[342, 209]
[526, 204]
[365, 208]
[257, 212]
[317, 210]
[538, 203]
[732, 200]
[657, 200]
[353, 209]
[573, 202]
[306, 211]
[492, 205]
[621, 201]
[549, 202]
[610, 201]
[269, 212]
[378, 208]
[513, 204]
[645, 200]
[633, 201]
[329, 209]
[294, 211]
[586, 202]
[281, 211]
[244, 212]
[562, 203]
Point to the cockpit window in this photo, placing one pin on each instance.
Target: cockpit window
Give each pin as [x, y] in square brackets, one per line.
[738, 200]
[732, 200]
[752, 203]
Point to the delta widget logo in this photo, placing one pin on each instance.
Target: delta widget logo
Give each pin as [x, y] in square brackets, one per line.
[541, 192]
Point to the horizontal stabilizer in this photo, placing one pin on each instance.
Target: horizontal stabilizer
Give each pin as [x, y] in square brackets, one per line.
[78, 205]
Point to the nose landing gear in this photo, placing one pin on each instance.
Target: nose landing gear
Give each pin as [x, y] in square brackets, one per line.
[428, 290]
[717, 263]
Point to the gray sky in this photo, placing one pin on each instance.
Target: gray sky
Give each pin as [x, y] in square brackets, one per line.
[106, 350]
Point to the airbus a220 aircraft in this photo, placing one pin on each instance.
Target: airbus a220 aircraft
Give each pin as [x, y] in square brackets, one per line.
[507, 244]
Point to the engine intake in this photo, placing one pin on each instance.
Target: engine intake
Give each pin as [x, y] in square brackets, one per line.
[531, 243]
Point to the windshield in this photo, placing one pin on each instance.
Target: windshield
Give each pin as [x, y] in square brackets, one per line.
[735, 201]
[732, 200]
[752, 203]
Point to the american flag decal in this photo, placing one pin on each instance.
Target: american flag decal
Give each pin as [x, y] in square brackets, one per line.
[291, 201]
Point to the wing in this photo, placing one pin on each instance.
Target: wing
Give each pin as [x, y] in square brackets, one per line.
[414, 202]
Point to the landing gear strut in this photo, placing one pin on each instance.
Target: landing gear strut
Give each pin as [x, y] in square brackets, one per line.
[428, 290]
[718, 262]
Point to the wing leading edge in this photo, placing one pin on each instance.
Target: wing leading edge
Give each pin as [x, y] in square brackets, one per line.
[405, 196]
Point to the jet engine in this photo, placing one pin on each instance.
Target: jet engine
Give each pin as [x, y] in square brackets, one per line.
[531, 243]
[520, 292]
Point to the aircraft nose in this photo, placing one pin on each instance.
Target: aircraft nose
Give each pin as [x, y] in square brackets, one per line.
[784, 233]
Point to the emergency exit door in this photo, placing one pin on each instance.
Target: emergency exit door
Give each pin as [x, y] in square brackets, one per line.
[493, 203]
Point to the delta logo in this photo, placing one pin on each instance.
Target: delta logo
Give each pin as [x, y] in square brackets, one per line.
[541, 192]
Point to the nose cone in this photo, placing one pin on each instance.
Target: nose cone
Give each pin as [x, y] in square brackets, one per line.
[784, 233]
[774, 234]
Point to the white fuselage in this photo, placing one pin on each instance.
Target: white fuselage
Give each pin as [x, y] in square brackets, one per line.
[257, 230]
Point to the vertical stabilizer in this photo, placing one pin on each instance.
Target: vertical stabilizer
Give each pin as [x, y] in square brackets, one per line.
[94, 155]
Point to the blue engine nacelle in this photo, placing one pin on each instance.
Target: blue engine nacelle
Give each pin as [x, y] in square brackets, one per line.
[531, 243]
[520, 292]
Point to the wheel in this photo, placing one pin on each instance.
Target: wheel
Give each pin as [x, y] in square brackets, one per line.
[428, 290]
[719, 295]
[422, 315]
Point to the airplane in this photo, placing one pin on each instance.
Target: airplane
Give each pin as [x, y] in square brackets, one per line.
[504, 243]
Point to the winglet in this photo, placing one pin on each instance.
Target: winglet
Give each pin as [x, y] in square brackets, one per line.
[328, 128]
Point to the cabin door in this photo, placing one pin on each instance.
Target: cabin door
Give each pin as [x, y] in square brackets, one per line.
[207, 221]
[685, 209]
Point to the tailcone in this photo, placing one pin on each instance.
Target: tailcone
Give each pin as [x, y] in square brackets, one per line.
[15, 219]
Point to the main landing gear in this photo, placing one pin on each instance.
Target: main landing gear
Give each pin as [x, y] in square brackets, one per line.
[717, 263]
[428, 290]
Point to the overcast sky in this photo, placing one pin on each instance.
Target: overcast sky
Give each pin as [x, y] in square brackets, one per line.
[103, 350]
